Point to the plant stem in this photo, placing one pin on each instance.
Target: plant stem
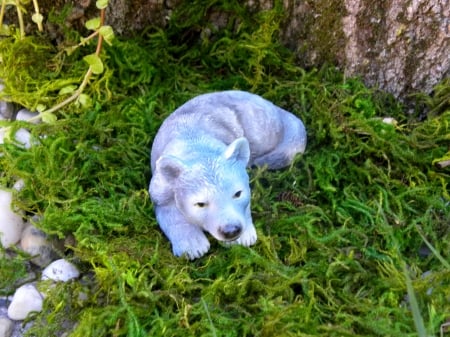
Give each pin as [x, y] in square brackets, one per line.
[2, 12]
[433, 250]
[36, 9]
[82, 43]
[75, 95]
[20, 16]
[88, 74]
[100, 37]
[417, 317]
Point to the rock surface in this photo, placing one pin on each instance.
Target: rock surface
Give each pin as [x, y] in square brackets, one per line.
[11, 223]
[36, 243]
[26, 115]
[23, 137]
[60, 270]
[6, 110]
[6, 327]
[26, 299]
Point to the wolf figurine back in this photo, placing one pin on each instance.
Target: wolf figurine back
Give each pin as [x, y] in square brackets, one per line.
[199, 158]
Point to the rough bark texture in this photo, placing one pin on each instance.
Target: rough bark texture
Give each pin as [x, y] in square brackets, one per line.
[401, 46]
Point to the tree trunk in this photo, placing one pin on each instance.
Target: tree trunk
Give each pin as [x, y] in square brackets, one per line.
[401, 46]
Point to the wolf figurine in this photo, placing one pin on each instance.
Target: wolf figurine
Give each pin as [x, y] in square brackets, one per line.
[199, 158]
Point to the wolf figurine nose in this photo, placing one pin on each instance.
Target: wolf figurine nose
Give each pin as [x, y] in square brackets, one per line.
[231, 231]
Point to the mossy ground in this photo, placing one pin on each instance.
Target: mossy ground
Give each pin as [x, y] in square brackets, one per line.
[342, 232]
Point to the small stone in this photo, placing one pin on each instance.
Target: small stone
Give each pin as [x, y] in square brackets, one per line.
[26, 299]
[3, 134]
[424, 251]
[60, 270]
[70, 241]
[36, 243]
[6, 110]
[26, 115]
[19, 184]
[390, 120]
[82, 297]
[11, 223]
[6, 327]
[23, 136]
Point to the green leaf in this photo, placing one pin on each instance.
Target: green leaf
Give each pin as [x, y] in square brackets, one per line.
[92, 24]
[70, 50]
[414, 305]
[84, 100]
[67, 90]
[107, 33]
[84, 41]
[95, 63]
[37, 18]
[48, 117]
[5, 30]
[40, 108]
[102, 4]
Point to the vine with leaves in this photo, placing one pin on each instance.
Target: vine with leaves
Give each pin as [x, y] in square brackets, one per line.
[37, 17]
[100, 31]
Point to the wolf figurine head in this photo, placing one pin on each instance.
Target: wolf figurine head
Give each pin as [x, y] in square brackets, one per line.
[213, 193]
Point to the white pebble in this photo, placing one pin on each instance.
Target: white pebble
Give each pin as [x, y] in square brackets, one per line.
[19, 184]
[390, 120]
[23, 136]
[6, 110]
[3, 134]
[11, 223]
[6, 327]
[26, 299]
[25, 115]
[60, 270]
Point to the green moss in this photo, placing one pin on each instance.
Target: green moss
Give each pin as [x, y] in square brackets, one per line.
[12, 272]
[335, 229]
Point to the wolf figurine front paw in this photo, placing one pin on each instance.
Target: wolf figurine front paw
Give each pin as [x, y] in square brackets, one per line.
[192, 243]
[199, 159]
[247, 238]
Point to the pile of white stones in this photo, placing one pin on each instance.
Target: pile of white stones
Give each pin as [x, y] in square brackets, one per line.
[16, 230]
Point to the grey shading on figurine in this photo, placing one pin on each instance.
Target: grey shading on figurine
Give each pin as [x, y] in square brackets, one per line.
[199, 158]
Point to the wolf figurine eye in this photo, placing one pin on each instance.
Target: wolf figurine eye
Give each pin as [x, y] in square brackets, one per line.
[201, 204]
[237, 194]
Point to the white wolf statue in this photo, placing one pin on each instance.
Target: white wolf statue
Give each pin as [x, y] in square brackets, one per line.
[199, 158]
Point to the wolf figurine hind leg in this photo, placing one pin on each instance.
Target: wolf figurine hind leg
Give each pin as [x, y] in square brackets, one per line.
[293, 142]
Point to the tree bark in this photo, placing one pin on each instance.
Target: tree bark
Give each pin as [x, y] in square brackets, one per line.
[400, 46]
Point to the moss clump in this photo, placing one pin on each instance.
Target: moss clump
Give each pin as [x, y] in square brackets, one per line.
[12, 272]
[336, 229]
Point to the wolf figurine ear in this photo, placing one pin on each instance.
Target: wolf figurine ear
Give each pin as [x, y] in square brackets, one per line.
[169, 167]
[238, 150]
